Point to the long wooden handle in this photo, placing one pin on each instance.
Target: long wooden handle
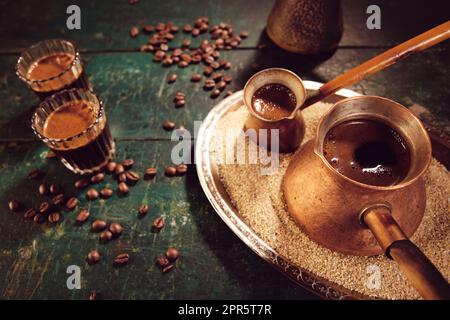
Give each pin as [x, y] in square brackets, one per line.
[387, 58]
[419, 270]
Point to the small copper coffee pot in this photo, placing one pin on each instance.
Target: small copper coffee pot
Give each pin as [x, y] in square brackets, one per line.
[351, 217]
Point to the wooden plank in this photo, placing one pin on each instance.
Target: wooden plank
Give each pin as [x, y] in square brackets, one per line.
[214, 263]
[106, 24]
[138, 99]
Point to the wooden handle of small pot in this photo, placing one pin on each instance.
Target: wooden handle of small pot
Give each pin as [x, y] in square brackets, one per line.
[419, 270]
[387, 58]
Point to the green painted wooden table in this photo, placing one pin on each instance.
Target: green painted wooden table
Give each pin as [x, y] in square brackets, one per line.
[214, 263]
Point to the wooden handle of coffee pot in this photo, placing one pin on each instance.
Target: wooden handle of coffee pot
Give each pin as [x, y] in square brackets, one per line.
[419, 270]
[387, 58]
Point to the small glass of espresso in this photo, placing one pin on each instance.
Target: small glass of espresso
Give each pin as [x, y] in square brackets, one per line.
[73, 124]
[50, 66]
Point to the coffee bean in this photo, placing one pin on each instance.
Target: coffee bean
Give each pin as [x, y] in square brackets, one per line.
[134, 32]
[98, 178]
[186, 43]
[116, 229]
[58, 199]
[42, 189]
[196, 77]
[132, 177]
[162, 261]
[209, 84]
[179, 96]
[182, 169]
[111, 166]
[164, 47]
[30, 213]
[81, 183]
[187, 28]
[122, 177]
[227, 79]
[221, 85]
[148, 29]
[121, 259]
[105, 236]
[119, 169]
[14, 205]
[215, 65]
[35, 174]
[207, 71]
[196, 58]
[172, 254]
[216, 76]
[160, 26]
[123, 188]
[243, 34]
[127, 163]
[180, 103]
[44, 207]
[51, 155]
[168, 268]
[143, 210]
[167, 61]
[170, 171]
[172, 78]
[98, 225]
[40, 218]
[158, 223]
[55, 188]
[92, 194]
[215, 93]
[183, 64]
[159, 55]
[150, 173]
[195, 32]
[106, 193]
[71, 203]
[53, 217]
[168, 125]
[93, 257]
[185, 57]
[82, 216]
[227, 65]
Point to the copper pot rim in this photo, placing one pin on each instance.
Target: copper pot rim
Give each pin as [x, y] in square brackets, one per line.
[296, 109]
[401, 184]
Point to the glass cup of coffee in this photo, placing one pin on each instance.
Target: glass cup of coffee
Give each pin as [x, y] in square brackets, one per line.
[73, 124]
[50, 66]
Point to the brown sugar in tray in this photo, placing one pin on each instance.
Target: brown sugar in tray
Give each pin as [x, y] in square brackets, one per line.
[259, 200]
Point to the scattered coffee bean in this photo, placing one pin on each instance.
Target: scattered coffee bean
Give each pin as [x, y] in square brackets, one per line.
[58, 199]
[215, 93]
[132, 177]
[227, 65]
[119, 169]
[172, 78]
[187, 28]
[195, 32]
[180, 103]
[121, 259]
[40, 218]
[116, 229]
[81, 183]
[30, 213]
[35, 174]
[172, 254]
[55, 188]
[53, 217]
[92, 194]
[158, 223]
[82, 216]
[127, 163]
[106, 193]
[186, 43]
[98, 178]
[162, 261]
[168, 268]
[208, 71]
[71, 203]
[168, 125]
[181, 169]
[50, 155]
[150, 173]
[93, 257]
[196, 77]
[98, 225]
[44, 207]
[123, 188]
[216, 76]
[143, 210]
[170, 171]
[148, 29]
[243, 34]
[14, 205]
[42, 189]
[111, 167]
[183, 64]
[209, 84]
[179, 96]
[164, 47]
[227, 79]
[221, 85]
[134, 32]
[122, 177]
[105, 236]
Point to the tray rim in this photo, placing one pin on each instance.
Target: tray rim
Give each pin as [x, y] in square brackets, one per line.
[320, 286]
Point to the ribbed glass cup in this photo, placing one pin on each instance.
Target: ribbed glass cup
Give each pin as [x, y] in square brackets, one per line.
[71, 77]
[87, 151]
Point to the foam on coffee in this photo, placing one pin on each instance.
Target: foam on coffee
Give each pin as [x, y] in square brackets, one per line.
[273, 101]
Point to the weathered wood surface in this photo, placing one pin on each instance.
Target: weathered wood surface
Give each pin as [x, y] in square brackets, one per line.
[214, 263]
